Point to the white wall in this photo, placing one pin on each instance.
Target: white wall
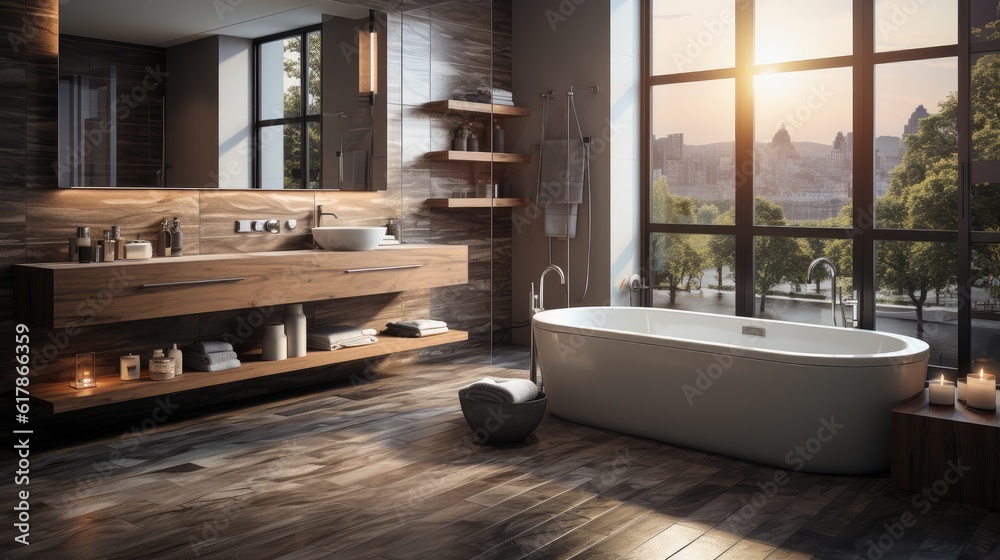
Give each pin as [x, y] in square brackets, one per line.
[581, 43]
[235, 112]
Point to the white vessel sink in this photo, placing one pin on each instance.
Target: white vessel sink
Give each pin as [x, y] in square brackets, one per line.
[348, 238]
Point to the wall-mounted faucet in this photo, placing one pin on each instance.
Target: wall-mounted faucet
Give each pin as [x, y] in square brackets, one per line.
[320, 213]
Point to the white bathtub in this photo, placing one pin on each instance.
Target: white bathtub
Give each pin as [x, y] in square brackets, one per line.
[800, 397]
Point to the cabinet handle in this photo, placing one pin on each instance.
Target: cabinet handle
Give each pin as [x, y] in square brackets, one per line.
[192, 282]
[377, 268]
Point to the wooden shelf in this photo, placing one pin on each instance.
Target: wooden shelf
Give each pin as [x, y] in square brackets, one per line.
[485, 157]
[477, 202]
[460, 106]
[928, 439]
[63, 398]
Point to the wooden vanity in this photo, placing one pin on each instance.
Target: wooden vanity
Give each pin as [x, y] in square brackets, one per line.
[69, 295]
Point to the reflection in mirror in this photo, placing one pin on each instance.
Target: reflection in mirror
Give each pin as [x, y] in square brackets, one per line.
[173, 105]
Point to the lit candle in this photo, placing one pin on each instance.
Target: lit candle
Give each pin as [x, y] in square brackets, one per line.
[981, 392]
[942, 392]
[961, 389]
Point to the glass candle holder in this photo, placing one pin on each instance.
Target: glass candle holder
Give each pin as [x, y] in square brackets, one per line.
[86, 374]
[129, 367]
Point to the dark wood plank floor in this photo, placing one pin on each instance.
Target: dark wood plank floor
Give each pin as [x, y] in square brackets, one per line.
[388, 469]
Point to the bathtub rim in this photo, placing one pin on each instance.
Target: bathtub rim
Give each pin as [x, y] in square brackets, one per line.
[914, 350]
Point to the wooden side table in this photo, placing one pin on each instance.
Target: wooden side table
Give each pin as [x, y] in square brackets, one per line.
[947, 452]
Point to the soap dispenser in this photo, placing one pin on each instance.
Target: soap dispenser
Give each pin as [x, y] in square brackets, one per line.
[176, 239]
[163, 240]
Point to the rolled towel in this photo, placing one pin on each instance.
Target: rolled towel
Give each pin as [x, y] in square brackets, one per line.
[208, 346]
[228, 364]
[500, 391]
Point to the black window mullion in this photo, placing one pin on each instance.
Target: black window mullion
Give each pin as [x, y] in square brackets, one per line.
[743, 152]
[862, 180]
[964, 259]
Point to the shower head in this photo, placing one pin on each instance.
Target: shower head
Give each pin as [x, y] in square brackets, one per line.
[592, 89]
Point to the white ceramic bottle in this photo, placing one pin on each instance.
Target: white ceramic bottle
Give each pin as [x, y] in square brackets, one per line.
[275, 347]
[178, 357]
[295, 330]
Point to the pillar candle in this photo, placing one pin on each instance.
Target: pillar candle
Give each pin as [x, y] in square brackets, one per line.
[942, 392]
[981, 391]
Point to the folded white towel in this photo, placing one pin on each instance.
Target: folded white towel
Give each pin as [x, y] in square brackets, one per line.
[418, 324]
[228, 364]
[210, 358]
[346, 343]
[410, 333]
[501, 391]
[337, 333]
[208, 346]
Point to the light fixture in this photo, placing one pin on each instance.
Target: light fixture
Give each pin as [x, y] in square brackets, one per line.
[368, 59]
[85, 375]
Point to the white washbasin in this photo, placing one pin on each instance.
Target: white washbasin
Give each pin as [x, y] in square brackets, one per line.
[348, 238]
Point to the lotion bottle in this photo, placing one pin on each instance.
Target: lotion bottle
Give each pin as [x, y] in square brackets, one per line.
[178, 357]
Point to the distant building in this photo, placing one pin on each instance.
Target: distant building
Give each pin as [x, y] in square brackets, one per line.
[913, 125]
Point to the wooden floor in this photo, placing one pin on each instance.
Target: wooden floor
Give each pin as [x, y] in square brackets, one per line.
[388, 469]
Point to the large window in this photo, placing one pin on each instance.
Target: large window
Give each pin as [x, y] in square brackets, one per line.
[782, 131]
[287, 119]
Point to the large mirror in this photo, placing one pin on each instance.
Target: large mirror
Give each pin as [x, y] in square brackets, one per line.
[233, 94]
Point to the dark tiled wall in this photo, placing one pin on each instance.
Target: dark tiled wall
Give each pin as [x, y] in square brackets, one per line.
[36, 217]
[137, 74]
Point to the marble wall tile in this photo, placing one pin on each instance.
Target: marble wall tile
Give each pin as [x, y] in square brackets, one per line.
[53, 214]
[460, 45]
[13, 132]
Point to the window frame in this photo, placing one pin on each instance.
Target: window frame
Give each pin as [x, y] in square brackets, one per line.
[864, 235]
[302, 120]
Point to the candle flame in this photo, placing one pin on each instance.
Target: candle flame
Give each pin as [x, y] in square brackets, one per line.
[942, 379]
[980, 373]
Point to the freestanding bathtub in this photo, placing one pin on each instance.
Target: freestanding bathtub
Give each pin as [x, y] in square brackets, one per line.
[791, 395]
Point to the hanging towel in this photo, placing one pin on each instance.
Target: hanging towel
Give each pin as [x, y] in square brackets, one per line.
[500, 391]
[562, 172]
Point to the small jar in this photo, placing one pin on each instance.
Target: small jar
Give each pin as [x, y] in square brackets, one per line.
[138, 249]
[161, 367]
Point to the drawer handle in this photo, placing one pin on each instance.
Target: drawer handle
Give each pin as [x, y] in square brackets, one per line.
[192, 282]
[378, 268]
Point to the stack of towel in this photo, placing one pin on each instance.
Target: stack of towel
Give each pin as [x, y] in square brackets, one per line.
[500, 391]
[492, 95]
[416, 328]
[210, 355]
[336, 337]
[389, 239]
